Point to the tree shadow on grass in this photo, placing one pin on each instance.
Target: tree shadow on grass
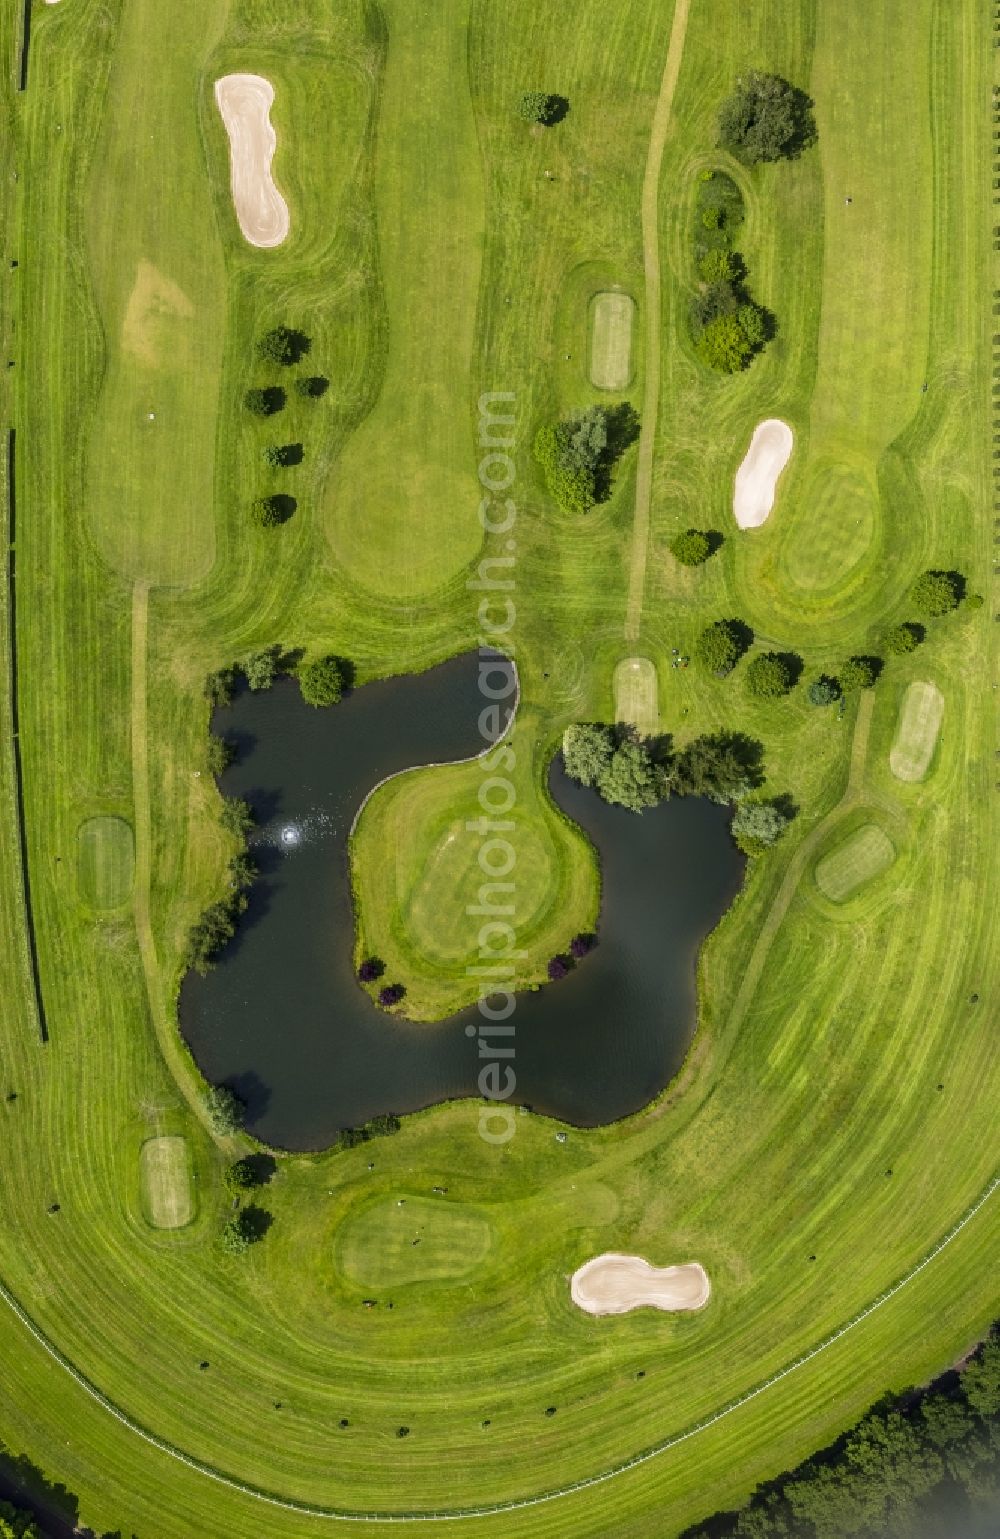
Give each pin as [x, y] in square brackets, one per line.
[257, 1222]
[556, 108]
[623, 429]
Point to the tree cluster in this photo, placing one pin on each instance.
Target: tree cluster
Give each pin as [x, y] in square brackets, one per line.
[376, 1127]
[941, 1441]
[631, 773]
[578, 454]
[215, 928]
[727, 326]
[766, 118]
[15, 1523]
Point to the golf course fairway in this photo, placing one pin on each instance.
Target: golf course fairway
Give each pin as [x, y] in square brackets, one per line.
[392, 1340]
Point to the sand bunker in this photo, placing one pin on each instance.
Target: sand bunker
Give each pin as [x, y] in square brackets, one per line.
[611, 341]
[917, 733]
[613, 1284]
[757, 478]
[245, 104]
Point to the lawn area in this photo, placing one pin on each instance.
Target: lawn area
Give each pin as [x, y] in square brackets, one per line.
[430, 259]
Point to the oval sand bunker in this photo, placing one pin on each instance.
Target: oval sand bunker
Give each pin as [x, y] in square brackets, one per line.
[756, 479]
[613, 1284]
[245, 104]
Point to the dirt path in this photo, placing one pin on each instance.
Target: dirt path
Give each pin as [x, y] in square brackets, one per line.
[166, 1036]
[651, 266]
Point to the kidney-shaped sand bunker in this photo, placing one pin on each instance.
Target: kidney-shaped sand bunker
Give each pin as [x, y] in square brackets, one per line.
[613, 1284]
[245, 104]
[757, 478]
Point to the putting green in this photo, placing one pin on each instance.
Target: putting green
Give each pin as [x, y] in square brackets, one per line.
[375, 1248]
[611, 320]
[105, 861]
[165, 1168]
[866, 853]
[834, 524]
[636, 695]
[920, 718]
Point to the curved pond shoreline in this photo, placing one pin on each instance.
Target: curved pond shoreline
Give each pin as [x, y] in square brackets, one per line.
[282, 1018]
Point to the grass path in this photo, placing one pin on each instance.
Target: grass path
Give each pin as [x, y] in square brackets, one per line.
[654, 319]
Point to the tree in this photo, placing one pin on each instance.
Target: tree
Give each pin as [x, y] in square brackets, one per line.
[723, 345]
[691, 548]
[312, 386]
[574, 489]
[587, 748]
[765, 119]
[261, 668]
[769, 676]
[241, 1175]
[758, 825]
[534, 106]
[226, 1111]
[581, 945]
[632, 779]
[900, 639]
[268, 512]
[391, 995]
[322, 682]
[899, 1466]
[720, 646]
[720, 765]
[265, 401]
[858, 673]
[15, 1523]
[370, 969]
[237, 816]
[219, 754]
[753, 324]
[824, 690]
[981, 1379]
[282, 345]
[935, 593]
[278, 456]
[578, 454]
[242, 872]
[238, 1234]
[718, 266]
[558, 968]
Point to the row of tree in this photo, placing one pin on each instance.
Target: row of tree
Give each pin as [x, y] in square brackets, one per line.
[578, 454]
[283, 346]
[940, 1442]
[727, 326]
[322, 681]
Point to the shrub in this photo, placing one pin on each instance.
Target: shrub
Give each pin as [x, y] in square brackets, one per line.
[769, 676]
[226, 1111]
[753, 324]
[765, 119]
[219, 754]
[322, 682]
[691, 548]
[264, 402]
[824, 690]
[370, 969]
[237, 816]
[391, 995]
[581, 945]
[858, 673]
[241, 1175]
[757, 825]
[974, 601]
[218, 686]
[558, 968]
[720, 646]
[282, 345]
[261, 668]
[935, 593]
[900, 639]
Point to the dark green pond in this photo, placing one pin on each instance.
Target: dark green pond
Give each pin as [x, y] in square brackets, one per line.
[281, 1017]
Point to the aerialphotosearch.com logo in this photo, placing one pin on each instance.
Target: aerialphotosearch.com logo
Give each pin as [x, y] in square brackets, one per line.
[495, 902]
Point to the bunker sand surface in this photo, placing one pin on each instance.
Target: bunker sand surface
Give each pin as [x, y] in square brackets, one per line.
[614, 1284]
[917, 733]
[245, 104]
[757, 478]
